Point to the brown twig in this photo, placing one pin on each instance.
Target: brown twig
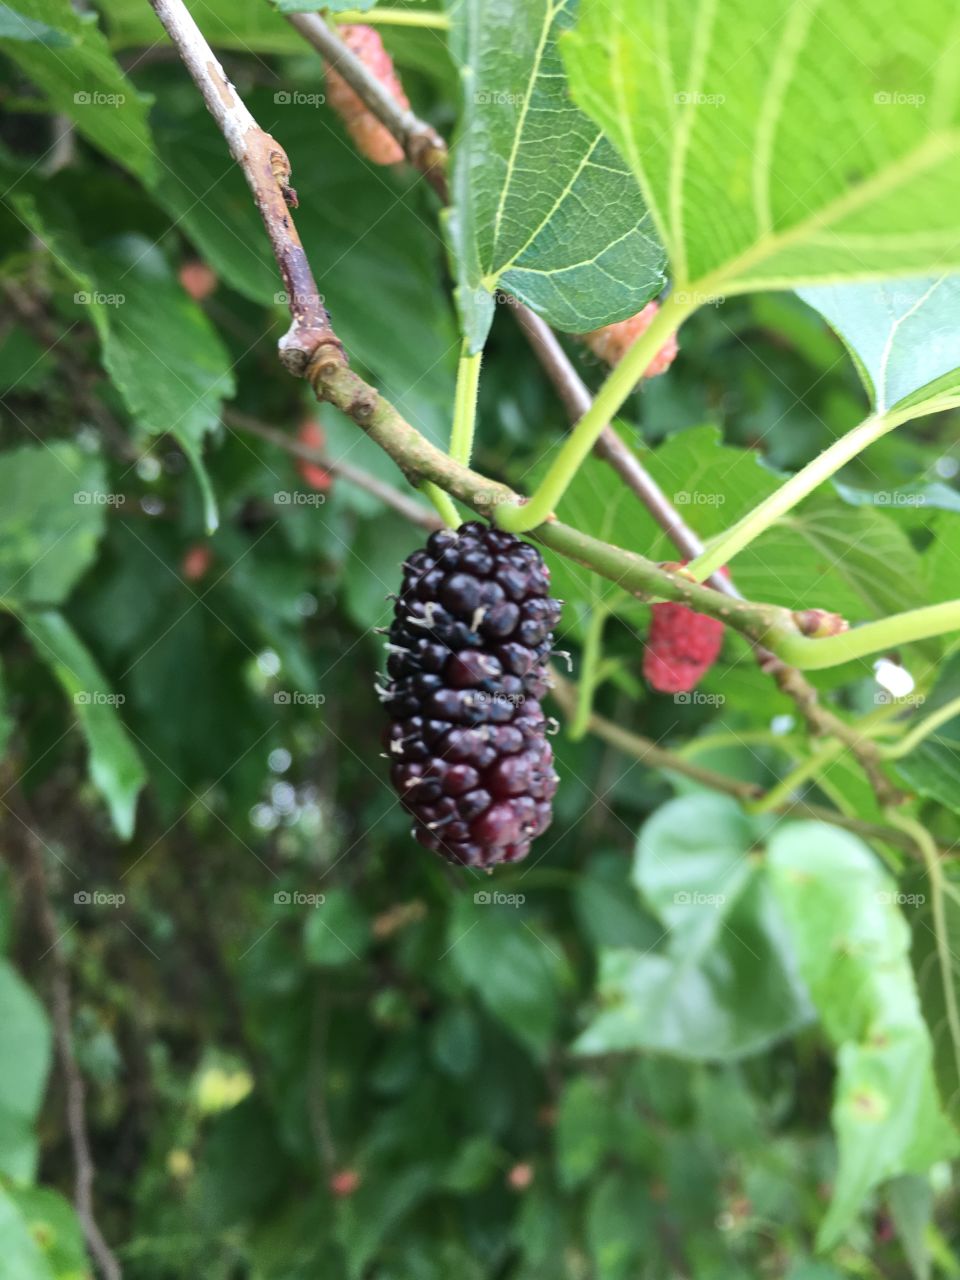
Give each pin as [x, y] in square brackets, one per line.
[388, 494]
[74, 1087]
[412, 134]
[423, 146]
[267, 171]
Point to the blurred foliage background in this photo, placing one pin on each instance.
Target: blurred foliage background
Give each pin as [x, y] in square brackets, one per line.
[309, 1048]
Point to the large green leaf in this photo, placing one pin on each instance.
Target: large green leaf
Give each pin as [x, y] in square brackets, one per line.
[162, 353]
[22, 1255]
[82, 80]
[16, 26]
[542, 204]
[904, 335]
[516, 969]
[24, 1064]
[853, 948]
[115, 766]
[784, 143]
[53, 1224]
[724, 985]
[53, 502]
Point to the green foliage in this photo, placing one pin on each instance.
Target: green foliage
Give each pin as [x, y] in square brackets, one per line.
[692, 1035]
[754, 174]
[530, 172]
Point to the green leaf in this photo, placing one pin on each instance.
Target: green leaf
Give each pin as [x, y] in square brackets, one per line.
[932, 769]
[853, 949]
[82, 80]
[911, 1207]
[332, 6]
[542, 204]
[53, 1224]
[903, 335]
[53, 504]
[725, 984]
[586, 1127]
[756, 175]
[115, 766]
[15, 26]
[25, 1051]
[160, 350]
[336, 931]
[516, 969]
[21, 1254]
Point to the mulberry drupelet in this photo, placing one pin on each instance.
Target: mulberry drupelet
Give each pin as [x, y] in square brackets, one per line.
[467, 654]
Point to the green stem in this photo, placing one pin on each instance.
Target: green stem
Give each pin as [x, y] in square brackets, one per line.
[578, 444]
[931, 724]
[589, 673]
[872, 637]
[395, 18]
[443, 503]
[783, 792]
[465, 406]
[928, 849]
[723, 548]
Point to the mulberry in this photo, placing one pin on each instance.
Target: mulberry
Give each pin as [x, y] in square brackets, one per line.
[372, 139]
[610, 342]
[681, 648]
[466, 669]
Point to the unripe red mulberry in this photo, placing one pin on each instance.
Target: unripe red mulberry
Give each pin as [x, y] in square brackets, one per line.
[312, 434]
[682, 646]
[372, 139]
[468, 649]
[612, 341]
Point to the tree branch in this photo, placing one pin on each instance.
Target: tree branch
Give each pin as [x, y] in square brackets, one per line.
[577, 399]
[388, 494]
[267, 171]
[649, 752]
[62, 1018]
[424, 147]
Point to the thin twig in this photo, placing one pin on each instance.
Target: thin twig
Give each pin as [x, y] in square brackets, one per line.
[412, 134]
[74, 1087]
[423, 146]
[649, 752]
[267, 171]
[388, 494]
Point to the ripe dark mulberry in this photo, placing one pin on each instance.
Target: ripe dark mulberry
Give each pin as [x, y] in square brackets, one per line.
[466, 669]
